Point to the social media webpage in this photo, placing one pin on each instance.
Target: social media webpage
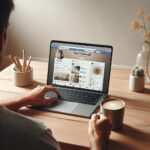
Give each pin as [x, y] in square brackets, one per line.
[79, 73]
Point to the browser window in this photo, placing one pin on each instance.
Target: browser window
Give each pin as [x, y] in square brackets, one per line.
[77, 67]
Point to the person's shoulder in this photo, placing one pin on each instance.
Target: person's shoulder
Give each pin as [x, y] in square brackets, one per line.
[30, 130]
[3, 108]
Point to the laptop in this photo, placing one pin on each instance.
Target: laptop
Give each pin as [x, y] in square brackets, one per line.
[80, 72]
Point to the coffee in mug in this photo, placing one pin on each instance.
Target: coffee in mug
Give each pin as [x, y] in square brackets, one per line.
[113, 109]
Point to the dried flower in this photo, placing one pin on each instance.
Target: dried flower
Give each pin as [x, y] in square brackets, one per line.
[135, 25]
[141, 12]
[142, 21]
[147, 35]
[148, 18]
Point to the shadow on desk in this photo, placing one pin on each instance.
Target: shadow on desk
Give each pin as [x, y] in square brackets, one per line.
[34, 85]
[129, 139]
[65, 146]
[115, 145]
[146, 91]
[136, 100]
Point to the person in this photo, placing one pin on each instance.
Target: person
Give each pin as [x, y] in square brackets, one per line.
[19, 132]
[60, 54]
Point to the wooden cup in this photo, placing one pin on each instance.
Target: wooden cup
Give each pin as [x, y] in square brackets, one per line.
[23, 78]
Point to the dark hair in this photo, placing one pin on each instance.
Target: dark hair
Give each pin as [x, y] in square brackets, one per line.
[6, 6]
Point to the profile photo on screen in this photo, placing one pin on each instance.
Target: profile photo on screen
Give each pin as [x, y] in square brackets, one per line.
[60, 54]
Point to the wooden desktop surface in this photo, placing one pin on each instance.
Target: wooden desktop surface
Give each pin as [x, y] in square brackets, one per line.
[71, 131]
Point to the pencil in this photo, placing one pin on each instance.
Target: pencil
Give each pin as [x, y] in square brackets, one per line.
[24, 61]
[13, 60]
[18, 63]
[26, 69]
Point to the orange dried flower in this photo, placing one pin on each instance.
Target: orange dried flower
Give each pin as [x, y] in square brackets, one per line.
[147, 35]
[135, 25]
[142, 21]
[141, 12]
[148, 18]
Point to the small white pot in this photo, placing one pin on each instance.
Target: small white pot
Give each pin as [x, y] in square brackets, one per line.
[136, 83]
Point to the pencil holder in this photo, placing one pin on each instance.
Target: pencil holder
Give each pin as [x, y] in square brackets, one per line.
[23, 78]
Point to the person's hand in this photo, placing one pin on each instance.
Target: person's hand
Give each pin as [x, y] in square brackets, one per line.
[33, 98]
[36, 96]
[99, 131]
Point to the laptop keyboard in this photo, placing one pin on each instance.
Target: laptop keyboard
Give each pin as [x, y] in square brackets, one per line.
[78, 96]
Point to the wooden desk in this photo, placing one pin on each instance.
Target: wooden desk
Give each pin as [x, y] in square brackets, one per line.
[71, 131]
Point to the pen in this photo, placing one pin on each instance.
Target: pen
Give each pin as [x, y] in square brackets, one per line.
[26, 69]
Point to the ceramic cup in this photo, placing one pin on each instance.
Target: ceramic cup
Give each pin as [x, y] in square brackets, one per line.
[23, 78]
[113, 109]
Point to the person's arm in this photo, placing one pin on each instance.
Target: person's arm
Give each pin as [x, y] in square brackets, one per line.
[34, 98]
[99, 132]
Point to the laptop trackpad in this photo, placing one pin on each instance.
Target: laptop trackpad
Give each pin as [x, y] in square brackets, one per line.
[63, 106]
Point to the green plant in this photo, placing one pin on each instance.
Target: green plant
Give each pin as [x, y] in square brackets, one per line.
[137, 71]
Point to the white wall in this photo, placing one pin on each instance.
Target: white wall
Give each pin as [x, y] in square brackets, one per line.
[34, 23]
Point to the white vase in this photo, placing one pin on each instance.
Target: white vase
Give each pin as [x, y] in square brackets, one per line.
[141, 61]
[136, 83]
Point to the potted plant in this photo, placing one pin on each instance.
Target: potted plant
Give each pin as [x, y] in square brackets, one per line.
[136, 81]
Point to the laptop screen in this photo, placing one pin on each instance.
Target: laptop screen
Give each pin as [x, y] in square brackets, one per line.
[78, 65]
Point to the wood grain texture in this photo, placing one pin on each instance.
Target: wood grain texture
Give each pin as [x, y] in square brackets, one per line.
[71, 131]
